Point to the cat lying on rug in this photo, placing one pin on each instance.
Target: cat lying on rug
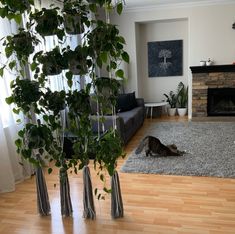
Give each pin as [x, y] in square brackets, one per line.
[154, 146]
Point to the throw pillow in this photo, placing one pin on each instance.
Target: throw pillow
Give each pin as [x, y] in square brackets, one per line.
[126, 102]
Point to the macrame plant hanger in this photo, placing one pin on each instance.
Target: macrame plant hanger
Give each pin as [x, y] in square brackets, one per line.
[65, 198]
[117, 210]
[43, 203]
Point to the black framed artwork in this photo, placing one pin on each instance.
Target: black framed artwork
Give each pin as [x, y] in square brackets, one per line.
[165, 58]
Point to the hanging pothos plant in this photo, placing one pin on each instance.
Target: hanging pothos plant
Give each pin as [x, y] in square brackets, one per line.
[80, 127]
[78, 59]
[107, 47]
[18, 48]
[53, 62]
[22, 44]
[54, 101]
[48, 22]
[35, 138]
[94, 5]
[25, 95]
[12, 9]
[38, 139]
[75, 16]
[109, 144]
[103, 48]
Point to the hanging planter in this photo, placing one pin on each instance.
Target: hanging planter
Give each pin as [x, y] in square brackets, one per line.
[75, 17]
[25, 94]
[78, 61]
[79, 103]
[107, 46]
[22, 44]
[103, 47]
[35, 138]
[38, 136]
[51, 69]
[53, 101]
[109, 150]
[13, 9]
[48, 22]
[99, 2]
[73, 24]
[52, 62]
[17, 6]
[107, 91]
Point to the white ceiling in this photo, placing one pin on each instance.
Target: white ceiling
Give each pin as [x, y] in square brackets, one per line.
[135, 3]
[138, 4]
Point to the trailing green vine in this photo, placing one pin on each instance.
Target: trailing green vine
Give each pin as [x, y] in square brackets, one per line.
[47, 110]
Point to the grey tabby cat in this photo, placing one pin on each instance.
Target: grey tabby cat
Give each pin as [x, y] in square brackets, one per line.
[154, 146]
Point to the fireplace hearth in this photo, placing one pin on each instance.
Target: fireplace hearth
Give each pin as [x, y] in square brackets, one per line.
[221, 102]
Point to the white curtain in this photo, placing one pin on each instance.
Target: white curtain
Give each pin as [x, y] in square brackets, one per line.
[12, 168]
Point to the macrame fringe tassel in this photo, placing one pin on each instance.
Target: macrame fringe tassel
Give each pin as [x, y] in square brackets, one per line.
[42, 194]
[65, 200]
[116, 197]
[88, 201]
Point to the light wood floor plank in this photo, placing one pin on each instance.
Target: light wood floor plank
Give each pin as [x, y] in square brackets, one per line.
[153, 204]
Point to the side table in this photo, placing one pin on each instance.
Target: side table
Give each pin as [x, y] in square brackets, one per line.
[151, 105]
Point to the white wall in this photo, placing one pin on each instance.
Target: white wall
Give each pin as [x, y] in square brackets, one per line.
[210, 34]
[152, 89]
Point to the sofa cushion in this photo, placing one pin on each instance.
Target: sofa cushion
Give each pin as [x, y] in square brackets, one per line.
[131, 113]
[131, 117]
[139, 116]
[126, 102]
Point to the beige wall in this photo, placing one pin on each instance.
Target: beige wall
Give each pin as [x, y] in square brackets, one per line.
[208, 30]
[152, 89]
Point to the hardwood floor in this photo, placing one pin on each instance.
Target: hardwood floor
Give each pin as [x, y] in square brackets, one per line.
[152, 203]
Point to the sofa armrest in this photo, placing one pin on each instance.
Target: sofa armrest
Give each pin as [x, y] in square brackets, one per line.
[108, 123]
[140, 102]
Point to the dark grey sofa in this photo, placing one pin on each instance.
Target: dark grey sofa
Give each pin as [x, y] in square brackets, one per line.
[128, 122]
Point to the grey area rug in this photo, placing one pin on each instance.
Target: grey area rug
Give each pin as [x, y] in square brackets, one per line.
[209, 146]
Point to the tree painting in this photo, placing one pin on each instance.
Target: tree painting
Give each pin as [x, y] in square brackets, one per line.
[165, 54]
[165, 58]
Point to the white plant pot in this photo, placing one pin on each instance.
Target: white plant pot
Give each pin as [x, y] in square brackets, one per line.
[202, 63]
[208, 63]
[171, 111]
[182, 111]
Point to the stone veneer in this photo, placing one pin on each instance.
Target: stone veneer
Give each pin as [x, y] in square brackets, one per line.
[202, 80]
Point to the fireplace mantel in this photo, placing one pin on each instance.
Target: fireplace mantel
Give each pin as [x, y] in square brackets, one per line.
[213, 68]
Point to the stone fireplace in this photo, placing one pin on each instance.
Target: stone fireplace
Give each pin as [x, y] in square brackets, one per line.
[213, 91]
[221, 102]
